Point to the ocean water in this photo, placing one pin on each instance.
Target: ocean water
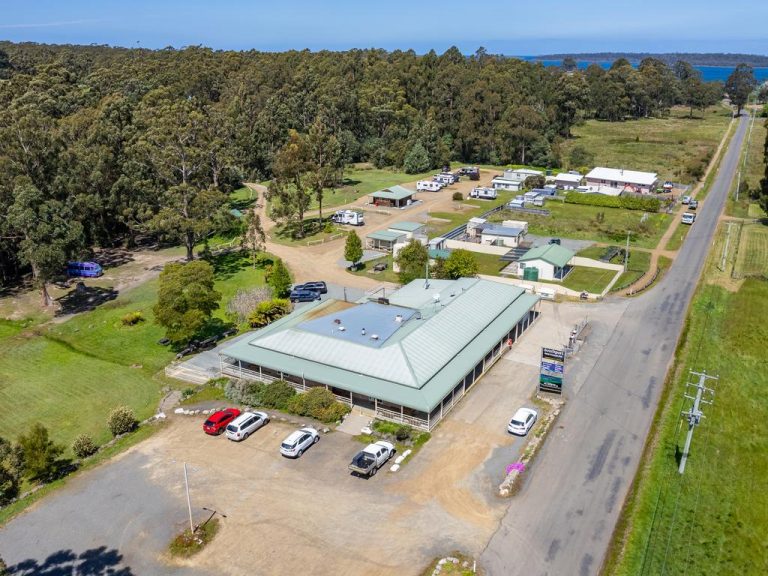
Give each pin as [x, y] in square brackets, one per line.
[708, 73]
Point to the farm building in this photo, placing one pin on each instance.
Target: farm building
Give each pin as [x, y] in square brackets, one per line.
[567, 181]
[408, 358]
[500, 235]
[383, 240]
[393, 197]
[551, 261]
[622, 179]
[410, 229]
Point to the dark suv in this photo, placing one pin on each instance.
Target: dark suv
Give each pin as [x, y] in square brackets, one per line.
[314, 286]
[302, 295]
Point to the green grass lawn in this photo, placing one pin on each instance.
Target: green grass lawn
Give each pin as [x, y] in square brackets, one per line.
[638, 264]
[582, 223]
[69, 376]
[593, 280]
[489, 264]
[662, 145]
[387, 275]
[714, 518]
[681, 233]
[753, 161]
[315, 231]
[752, 259]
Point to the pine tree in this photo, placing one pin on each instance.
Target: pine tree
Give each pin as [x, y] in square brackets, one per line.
[353, 249]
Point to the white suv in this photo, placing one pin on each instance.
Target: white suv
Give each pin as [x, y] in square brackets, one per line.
[298, 441]
[245, 424]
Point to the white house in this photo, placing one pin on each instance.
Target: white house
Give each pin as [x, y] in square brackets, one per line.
[567, 181]
[514, 179]
[500, 235]
[622, 179]
[551, 260]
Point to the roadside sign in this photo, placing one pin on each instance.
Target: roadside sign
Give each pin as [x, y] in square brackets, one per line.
[552, 370]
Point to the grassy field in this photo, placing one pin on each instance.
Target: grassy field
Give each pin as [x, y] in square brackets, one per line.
[68, 376]
[681, 233]
[753, 160]
[752, 259]
[386, 276]
[662, 145]
[714, 518]
[638, 264]
[315, 231]
[586, 279]
[584, 223]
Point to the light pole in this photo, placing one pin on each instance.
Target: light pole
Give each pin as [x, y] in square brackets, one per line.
[189, 502]
[626, 252]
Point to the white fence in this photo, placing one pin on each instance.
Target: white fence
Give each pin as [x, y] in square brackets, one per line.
[477, 247]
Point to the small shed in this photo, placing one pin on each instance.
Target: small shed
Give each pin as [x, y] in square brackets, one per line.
[393, 197]
[383, 240]
[568, 181]
[497, 235]
[502, 183]
[410, 229]
[551, 260]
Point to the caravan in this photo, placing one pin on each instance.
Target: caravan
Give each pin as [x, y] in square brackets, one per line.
[428, 186]
[445, 178]
[483, 193]
[352, 217]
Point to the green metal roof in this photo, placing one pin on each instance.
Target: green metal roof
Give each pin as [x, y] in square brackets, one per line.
[236, 213]
[416, 367]
[552, 253]
[385, 235]
[406, 226]
[393, 193]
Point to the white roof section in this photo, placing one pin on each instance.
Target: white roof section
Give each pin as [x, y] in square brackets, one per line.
[621, 175]
[565, 177]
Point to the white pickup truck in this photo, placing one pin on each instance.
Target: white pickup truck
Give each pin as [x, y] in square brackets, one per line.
[368, 461]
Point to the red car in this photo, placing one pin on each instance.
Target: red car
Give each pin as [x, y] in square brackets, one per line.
[219, 420]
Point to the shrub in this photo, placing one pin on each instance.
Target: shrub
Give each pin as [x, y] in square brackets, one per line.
[220, 382]
[132, 318]
[318, 403]
[84, 446]
[458, 196]
[277, 395]
[234, 390]
[269, 311]
[121, 421]
[244, 302]
[40, 453]
[11, 470]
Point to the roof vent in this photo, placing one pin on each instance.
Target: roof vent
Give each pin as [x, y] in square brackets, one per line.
[342, 329]
[337, 321]
[436, 297]
[399, 318]
[374, 336]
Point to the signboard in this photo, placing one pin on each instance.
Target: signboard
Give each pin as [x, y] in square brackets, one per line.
[552, 370]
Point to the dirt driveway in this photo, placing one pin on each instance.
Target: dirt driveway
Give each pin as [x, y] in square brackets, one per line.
[305, 516]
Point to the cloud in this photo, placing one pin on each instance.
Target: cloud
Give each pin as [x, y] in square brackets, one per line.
[50, 24]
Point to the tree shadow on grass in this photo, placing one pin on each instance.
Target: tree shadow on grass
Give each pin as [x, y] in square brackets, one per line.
[84, 298]
[94, 562]
[113, 257]
[228, 264]
[350, 182]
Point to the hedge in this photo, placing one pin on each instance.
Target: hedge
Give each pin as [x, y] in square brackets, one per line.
[648, 204]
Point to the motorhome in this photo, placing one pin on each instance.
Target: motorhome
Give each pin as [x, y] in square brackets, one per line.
[445, 178]
[483, 193]
[428, 186]
[352, 217]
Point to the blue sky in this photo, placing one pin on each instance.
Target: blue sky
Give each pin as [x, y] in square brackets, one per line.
[512, 27]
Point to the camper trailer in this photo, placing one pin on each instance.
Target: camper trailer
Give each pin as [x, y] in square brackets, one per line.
[445, 178]
[428, 186]
[483, 193]
[352, 217]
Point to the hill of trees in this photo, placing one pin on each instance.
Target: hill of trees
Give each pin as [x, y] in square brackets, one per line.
[99, 145]
[693, 58]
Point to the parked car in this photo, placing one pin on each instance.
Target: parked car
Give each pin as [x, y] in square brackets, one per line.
[368, 461]
[317, 286]
[84, 270]
[380, 267]
[302, 295]
[245, 425]
[297, 442]
[688, 218]
[554, 241]
[218, 421]
[522, 421]
[686, 200]
[693, 205]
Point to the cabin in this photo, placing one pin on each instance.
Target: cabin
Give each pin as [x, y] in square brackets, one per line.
[393, 197]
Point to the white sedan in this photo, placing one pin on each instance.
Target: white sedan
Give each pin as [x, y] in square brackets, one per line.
[298, 441]
[522, 421]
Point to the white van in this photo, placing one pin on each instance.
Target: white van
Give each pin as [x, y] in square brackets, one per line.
[483, 193]
[246, 424]
[428, 186]
[352, 217]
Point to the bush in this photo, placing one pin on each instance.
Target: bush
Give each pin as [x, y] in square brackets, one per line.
[269, 311]
[132, 318]
[277, 395]
[11, 470]
[647, 204]
[84, 446]
[244, 302]
[392, 430]
[40, 453]
[458, 196]
[121, 421]
[319, 404]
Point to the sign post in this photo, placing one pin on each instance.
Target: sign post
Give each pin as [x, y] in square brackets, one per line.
[552, 370]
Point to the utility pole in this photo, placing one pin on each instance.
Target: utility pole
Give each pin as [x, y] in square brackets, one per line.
[626, 252]
[694, 415]
[189, 502]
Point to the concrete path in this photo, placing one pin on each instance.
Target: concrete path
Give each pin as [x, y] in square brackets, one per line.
[564, 517]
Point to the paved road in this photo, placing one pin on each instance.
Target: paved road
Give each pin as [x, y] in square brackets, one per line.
[562, 521]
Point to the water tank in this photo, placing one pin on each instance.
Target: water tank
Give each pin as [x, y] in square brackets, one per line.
[531, 274]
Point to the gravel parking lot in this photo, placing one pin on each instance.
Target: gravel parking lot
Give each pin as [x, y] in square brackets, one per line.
[305, 516]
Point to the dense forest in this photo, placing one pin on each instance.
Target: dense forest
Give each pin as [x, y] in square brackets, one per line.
[103, 145]
[693, 58]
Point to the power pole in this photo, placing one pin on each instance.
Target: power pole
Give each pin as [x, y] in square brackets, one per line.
[694, 415]
[626, 252]
[189, 502]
